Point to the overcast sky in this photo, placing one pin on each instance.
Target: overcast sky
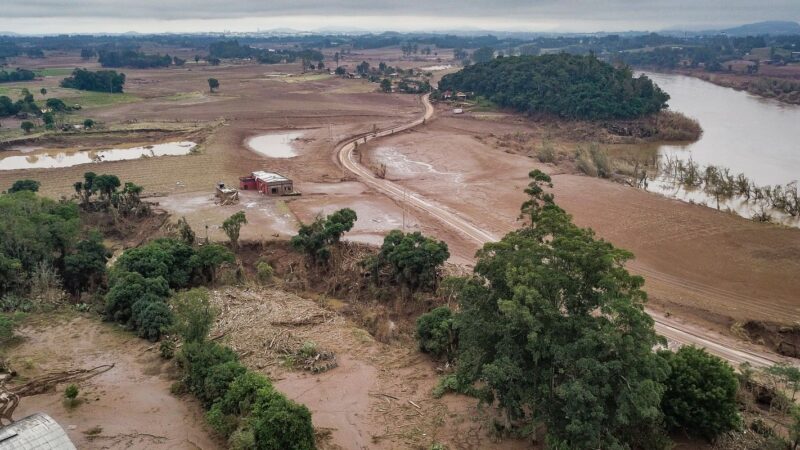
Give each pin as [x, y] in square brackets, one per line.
[161, 16]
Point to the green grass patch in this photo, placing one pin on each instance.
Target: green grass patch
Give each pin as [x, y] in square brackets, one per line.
[54, 72]
[92, 99]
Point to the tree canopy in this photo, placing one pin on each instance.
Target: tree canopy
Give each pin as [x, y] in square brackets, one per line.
[100, 80]
[554, 328]
[572, 86]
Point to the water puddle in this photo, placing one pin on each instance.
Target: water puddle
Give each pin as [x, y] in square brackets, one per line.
[435, 68]
[399, 162]
[54, 160]
[275, 145]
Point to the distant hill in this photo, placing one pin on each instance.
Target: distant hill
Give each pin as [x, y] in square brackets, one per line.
[770, 27]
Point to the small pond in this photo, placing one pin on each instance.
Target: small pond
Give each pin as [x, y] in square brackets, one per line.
[59, 159]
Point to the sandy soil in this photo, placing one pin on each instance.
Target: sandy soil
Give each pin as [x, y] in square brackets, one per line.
[130, 403]
[694, 258]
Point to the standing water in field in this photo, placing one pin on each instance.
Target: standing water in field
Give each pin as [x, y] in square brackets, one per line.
[745, 134]
[58, 159]
[274, 145]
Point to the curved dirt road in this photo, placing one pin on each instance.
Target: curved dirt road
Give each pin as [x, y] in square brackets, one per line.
[674, 330]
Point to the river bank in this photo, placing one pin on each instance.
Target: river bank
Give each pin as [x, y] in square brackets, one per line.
[782, 86]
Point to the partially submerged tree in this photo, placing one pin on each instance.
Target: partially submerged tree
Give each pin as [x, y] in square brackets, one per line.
[413, 259]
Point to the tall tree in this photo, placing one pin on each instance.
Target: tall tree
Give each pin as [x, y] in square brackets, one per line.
[213, 83]
[554, 328]
[232, 225]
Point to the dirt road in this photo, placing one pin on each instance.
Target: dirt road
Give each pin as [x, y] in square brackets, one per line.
[674, 330]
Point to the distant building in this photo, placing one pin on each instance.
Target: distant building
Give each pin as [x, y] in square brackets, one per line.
[37, 431]
[267, 183]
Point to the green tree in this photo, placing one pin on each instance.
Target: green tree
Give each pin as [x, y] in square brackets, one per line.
[386, 85]
[208, 258]
[49, 120]
[128, 288]
[232, 225]
[168, 258]
[43, 91]
[56, 105]
[414, 259]
[194, 314]
[281, 424]
[85, 269]
[554, 328]
[24, 185]
[701, 393]
[316, 238]
[483, 54]
[436, 333]
[153, 319]
[213, 83]
[27, 126]
[185, 231]
[88, 124]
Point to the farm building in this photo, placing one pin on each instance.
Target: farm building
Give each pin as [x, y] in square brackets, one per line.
[37, 431]
[267, 183]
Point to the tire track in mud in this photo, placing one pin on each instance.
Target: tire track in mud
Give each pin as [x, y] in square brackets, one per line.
[681, 333]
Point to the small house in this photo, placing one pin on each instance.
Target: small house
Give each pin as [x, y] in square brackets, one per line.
[461, 96]
[267, 183]
[447, 95]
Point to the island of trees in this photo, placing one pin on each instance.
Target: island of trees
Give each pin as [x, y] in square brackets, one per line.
[134, 59]
[101, 80]
[571, 86]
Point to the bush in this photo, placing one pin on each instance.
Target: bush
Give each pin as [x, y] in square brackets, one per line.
[264, 272]
[153, 320]
[70, 396]
[413, 258]
[280, 424]
[167, 258]
[198, 358]
[242, 393]
[24, 185]
[316, 238]
[194, 315]
[8, 324]
[547, 153]
[700, 394]
[436, 333]
[224, 424]
[218, 381]
[167, 349]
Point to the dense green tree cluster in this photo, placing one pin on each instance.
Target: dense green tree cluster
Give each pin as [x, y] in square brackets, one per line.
[413, 260]
[243, 406]
[572, 86]
[552, 329]
[33, 230]
[100, 80]
[315, 239]
[701, 393]
[16, 75]
[132, 58]
[26, 104]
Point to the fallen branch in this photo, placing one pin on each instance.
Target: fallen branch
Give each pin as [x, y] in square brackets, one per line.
[47, 382]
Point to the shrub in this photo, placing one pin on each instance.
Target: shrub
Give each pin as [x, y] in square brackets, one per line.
[243, 439]
[224, 424]
[167, 349]
[233, 225]
[547, 153]
[8, 324]
[24, 185]
[242, 393]
[436, 333]
[197, 358]
[70, 396]
[154, 319]
[264, 272]
[280, 424]
[700, 394]
[194, 314]
[167, 258]
[218, 381]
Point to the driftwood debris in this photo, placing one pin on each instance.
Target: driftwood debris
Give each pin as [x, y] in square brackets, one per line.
[46, 382]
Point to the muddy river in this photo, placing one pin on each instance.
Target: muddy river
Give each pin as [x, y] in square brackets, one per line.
[747, 134]
[40, 158]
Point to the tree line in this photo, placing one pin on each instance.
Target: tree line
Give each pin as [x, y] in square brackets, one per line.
[16, 75]
[571, 86]
[233, 49]
[132, 58]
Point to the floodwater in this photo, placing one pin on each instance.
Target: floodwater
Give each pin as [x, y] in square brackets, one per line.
[751, 135]
[754, 136]
[58, 159]
[275, 145]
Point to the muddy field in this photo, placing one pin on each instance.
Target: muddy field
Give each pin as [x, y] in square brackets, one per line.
[129, 406]
[711, 265]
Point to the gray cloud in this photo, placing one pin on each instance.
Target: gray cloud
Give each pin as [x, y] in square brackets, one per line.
[594, 14]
